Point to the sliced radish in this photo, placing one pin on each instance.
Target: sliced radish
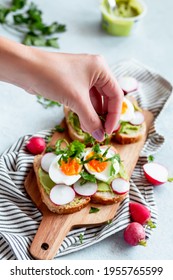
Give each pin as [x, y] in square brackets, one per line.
[120, 186]
[46, 161]
[155, 173]
[86, 189]
[61, 194]
[138, 118]
[128, 84]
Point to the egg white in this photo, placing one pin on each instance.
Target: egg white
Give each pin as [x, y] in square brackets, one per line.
[105, 174]
[58, 176]
[129, 114]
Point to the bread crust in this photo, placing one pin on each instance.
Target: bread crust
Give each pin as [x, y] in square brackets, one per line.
[107, 198]
[123, 138]
[78, 203]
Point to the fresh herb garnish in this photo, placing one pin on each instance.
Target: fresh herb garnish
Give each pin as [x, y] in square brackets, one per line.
[150, 158]
[107, 139]
[101, 157]
[89, 139]
[112, 169]
[116, 156]
[95, 156]
[105, 152]
[48, 139]
[59, 128]
[73, 150]
[61, 148]
[46, 103]
[50, 149]
[76, 149]
[81, 238]
[94, 210]
[85, 177]
[26, 18]
[96, 148]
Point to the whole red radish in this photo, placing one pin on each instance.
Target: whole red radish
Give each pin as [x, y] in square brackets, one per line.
[36, 145]
[134, 234]
[141, 214]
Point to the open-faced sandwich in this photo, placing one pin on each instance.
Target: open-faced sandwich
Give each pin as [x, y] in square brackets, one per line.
[73, 175]
[130, 129]
[132, 126]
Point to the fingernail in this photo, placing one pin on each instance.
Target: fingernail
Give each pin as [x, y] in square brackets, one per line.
[98, 134]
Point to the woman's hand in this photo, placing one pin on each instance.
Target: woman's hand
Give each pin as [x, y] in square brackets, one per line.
[80, 81]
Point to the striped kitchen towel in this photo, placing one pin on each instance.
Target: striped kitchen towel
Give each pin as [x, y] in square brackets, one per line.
[19, 218]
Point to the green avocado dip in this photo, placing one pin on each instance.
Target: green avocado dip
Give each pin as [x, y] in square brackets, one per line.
[45, 180]
[129, 129]
[48, 184]
[125, 8]
[120, 21]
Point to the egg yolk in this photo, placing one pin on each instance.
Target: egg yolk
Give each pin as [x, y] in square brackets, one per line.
[96, 165]
[71, 167]
[124, 108]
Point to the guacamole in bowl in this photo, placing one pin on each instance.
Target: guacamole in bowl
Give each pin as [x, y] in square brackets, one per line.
[123, 19]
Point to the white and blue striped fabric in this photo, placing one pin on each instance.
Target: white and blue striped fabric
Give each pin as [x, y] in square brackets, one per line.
[20, 219]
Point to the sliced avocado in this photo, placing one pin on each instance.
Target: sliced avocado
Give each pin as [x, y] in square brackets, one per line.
[128, 128]
[103, 187]
[74, 121]
[122, 172]
[45, 180]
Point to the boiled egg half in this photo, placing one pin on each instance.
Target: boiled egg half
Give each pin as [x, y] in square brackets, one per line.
[101, 169]
[127, 111]
[65, 172]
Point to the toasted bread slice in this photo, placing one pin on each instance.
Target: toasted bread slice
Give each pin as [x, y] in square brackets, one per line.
[107, 198]
[74, 135]
[71, 131]
[123, 138]
[77, 204]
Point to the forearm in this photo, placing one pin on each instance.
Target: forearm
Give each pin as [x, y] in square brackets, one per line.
[16, 63]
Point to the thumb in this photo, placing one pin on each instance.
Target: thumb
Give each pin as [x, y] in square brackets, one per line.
[89, 119]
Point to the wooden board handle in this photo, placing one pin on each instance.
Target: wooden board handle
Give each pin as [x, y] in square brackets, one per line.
[50, 235]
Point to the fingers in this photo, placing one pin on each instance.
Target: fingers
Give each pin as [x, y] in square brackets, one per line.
[96, 100]
[112, 96]
[89, 119]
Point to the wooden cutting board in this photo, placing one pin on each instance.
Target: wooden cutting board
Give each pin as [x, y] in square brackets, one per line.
[53, 227]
